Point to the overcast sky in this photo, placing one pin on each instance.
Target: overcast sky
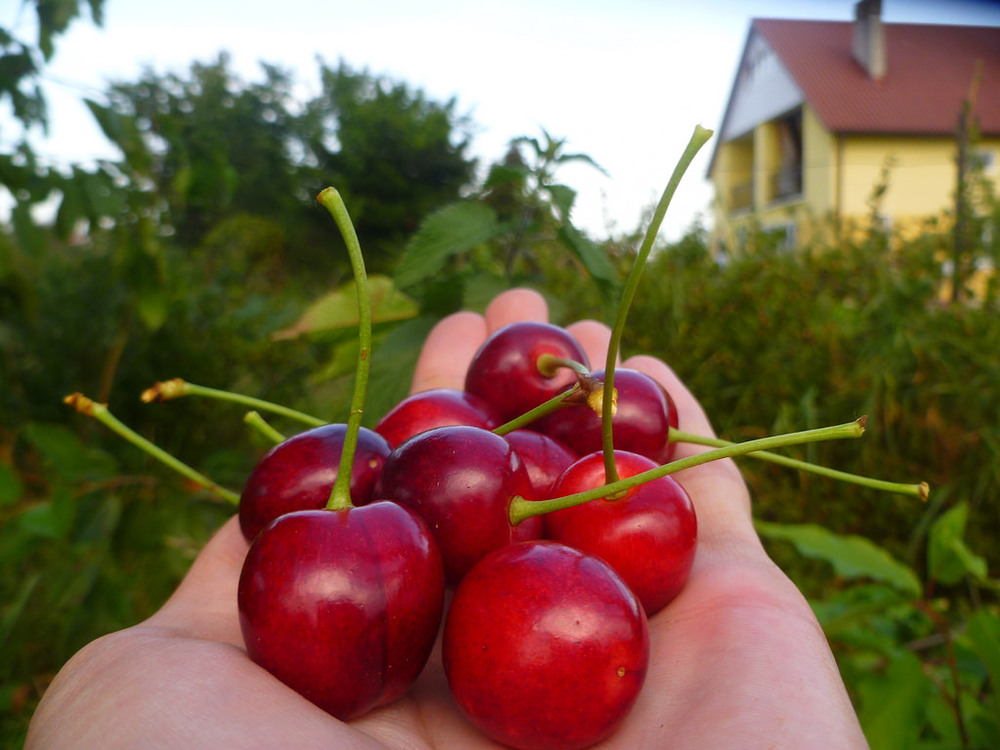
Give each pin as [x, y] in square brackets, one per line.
[625, 82]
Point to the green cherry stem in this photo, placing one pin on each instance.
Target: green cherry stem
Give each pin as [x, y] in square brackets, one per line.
[586, 392]
[698, 139]
[553, 404]
[255, 420]
[340, 495]
[101, 413]
[921, 490]
[521, 509]
[166, 390]
[549, 364]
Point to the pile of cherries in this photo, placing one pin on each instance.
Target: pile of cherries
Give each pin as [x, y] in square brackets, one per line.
[344, 605]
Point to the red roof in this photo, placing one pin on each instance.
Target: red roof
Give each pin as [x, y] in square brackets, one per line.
[929, 71]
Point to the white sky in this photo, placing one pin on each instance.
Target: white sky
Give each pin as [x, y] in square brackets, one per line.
[625, 81]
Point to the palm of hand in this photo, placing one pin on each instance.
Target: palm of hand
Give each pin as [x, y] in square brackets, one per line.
[737, 660]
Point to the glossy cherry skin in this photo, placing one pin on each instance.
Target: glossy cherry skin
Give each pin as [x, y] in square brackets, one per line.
[343, 606]
[505, 371]
[298, 474]
[545, 647]
[461, 481]
[544, 456]
[437, 407]
[648, 535]
[641, 423]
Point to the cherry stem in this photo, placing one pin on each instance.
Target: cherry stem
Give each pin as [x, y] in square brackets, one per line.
[521, 509]
[166, 390]
[101, 413]
[588, 391]
[553, 404]
[255, 420]
[921, 490]
[549, 364]
[340, 495]
[698, 139]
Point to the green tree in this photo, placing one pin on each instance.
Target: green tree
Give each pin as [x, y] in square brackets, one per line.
[393, 153]
[207, 144]
[22, 61]
[212, 148]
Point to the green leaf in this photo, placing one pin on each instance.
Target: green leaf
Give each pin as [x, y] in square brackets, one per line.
[51, 519]
[983, 632]
[13, 609]
[153, 307]
[99, 194]
[563, 197]
[339, 309]
[949, 559]
[97, 11]
[29, 235]
[892, 703]
[10, 486]
[851, 556]
[392, 365]
[66, 456]
[454, 229]
[502, 175]
[70, 208]
[589, 254]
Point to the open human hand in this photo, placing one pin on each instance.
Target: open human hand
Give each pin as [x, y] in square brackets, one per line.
[736, 660]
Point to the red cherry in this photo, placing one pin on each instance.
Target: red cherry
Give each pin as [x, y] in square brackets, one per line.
[648, 535]
[437, 407]
[545, 647]
[298, 474]
[505, 370]
[641, 423]
[343, 606]
[460, 480]
[545, 457]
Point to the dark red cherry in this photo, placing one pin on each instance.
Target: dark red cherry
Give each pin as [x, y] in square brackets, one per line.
[545, 457]
[505, 370]
[343, 606]
[461, 481]
[641, 423]
[298, 474]
[545, 647]
[437, 407]
[648, 535]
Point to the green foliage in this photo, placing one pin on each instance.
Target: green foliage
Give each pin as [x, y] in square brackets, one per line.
[922, 669]
[456, 228]
[515, 229]
[851, 556]
[394, 155]
[773, 341]
[21, 60]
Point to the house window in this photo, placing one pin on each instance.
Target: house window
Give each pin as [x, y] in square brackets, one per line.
[786, 180]
[882, 223]
[783, 236]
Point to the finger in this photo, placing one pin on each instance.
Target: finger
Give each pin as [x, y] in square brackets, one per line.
[447, 352]
[594, 337]
[204, 605]
[717, 489]
[515, 305]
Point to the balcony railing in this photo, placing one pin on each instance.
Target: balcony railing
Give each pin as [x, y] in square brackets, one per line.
[786, 181]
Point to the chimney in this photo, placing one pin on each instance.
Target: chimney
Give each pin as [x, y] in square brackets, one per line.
[869, 38]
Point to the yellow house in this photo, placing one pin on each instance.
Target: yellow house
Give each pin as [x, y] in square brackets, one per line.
[823, 113]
